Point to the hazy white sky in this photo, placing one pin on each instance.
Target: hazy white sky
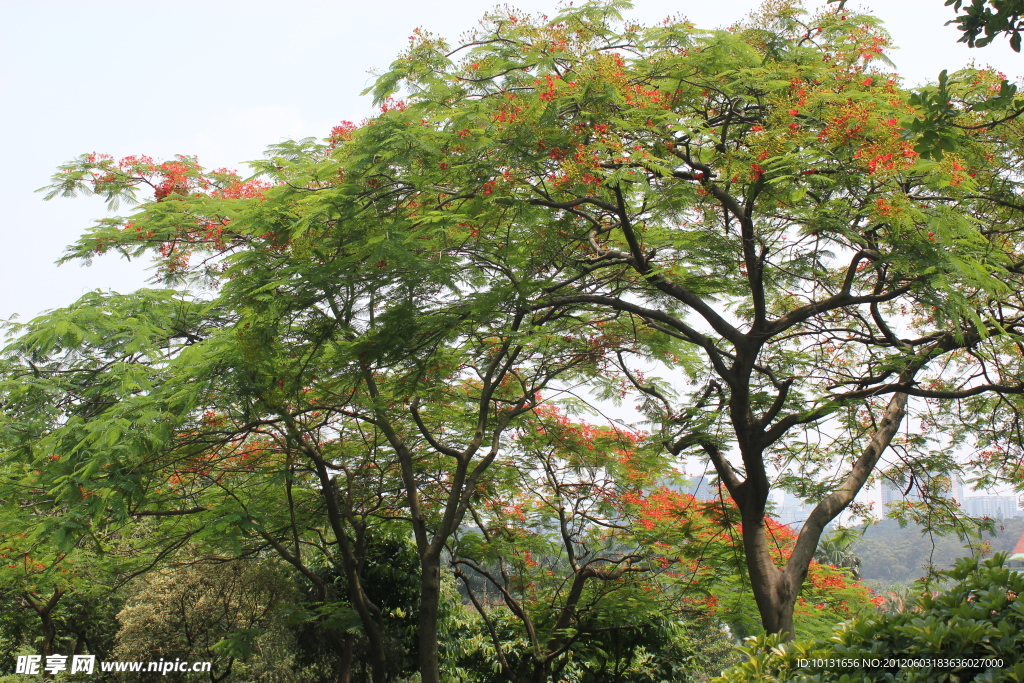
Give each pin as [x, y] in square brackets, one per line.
[221, 79]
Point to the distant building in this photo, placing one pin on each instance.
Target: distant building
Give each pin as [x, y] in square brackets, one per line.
[700, 487]
[703, 488]
[958, 492]
[793, 511]
[994, 507]
[896, 492]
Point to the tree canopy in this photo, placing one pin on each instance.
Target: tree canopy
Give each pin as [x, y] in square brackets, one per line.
[983, 20]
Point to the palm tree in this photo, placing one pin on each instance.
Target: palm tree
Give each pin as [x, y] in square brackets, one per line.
[835, 549]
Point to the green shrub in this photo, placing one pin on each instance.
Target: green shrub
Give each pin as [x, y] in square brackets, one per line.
[978, 616]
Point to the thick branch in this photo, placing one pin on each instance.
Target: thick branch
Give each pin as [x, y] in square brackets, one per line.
[835, 502]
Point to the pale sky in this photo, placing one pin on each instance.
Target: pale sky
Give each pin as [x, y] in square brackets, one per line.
[222, 79]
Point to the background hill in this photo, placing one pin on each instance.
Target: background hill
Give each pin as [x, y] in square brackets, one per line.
[894, 555]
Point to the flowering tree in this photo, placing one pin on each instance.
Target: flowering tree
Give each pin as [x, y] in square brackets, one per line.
[579, 548]
[362, 360]
[702, 542]
[261, 433]
[809, 244]
[552, 547]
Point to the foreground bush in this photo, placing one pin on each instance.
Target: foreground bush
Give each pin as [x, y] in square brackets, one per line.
[978, 616]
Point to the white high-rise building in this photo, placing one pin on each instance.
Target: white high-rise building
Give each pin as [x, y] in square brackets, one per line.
[699, 487]
[896, 492]
[702, 488]
[793, 511]
[993, 507]
[958, 492]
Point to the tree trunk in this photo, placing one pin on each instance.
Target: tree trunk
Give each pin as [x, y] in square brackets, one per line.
[776, 603]
[369, 614]
[345, 666]
[49, 634]
[372, 621]
[45, 612]
[775, 590]
[430, 599]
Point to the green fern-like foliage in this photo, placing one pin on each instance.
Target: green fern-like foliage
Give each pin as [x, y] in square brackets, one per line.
[979, 616]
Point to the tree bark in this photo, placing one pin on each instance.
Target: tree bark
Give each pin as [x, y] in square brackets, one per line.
[345, 665]
[45, 612]
[776, 589]
[430, 598]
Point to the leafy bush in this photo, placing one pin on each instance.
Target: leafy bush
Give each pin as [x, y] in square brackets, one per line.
[978, 616]
[231, 614]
